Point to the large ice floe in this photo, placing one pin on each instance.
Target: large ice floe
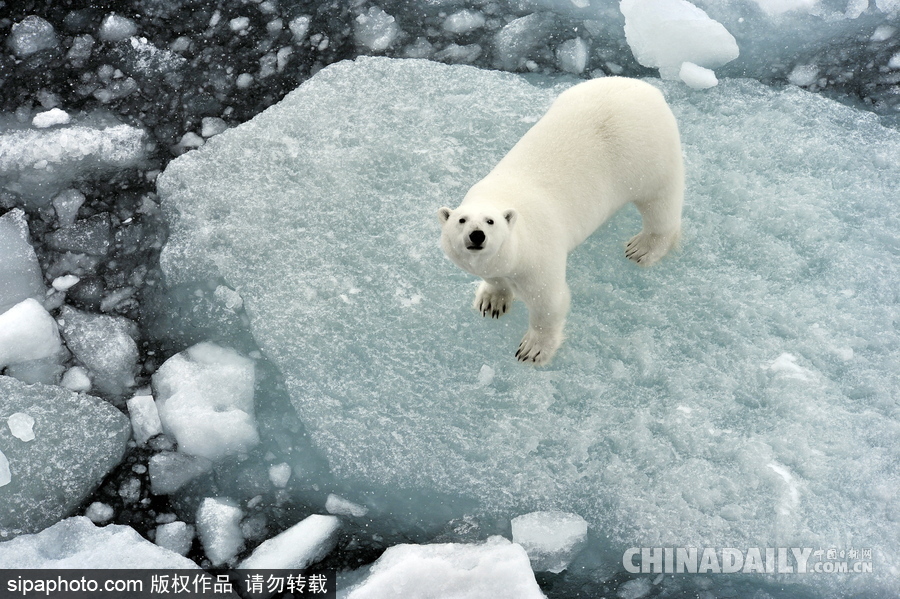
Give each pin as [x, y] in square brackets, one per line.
[77, 440]
[741, 393]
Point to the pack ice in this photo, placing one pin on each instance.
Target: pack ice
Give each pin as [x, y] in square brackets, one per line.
[716, 400]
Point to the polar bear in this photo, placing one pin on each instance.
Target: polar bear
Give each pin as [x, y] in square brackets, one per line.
[603, 143]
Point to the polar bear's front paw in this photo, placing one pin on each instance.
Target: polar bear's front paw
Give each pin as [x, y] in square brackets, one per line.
[538, 348]
[647, 248]
[490, 301]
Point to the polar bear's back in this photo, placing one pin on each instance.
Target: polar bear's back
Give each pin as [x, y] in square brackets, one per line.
[603, 143]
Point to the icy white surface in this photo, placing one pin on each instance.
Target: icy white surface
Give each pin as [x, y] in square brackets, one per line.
[21, 425]
[324, 221]
[116, 28]
[50, 118]
[78, 440]
[337, 505]
[76, 379]
[20, 273]
[666, 33]
[27, 332]
[297, 548]
[104, 345]
[170, 470]
[205, 400]
[496, 569]
[98, 512]
[219, 528]
[518, 39]
[38, 163]
[280, 474]
[5, 474]
[30, 35]
[463, 21]
[144, 418]
[375, 29]
[572, 55]
[175, 536]
[551, 539]
[76, 543]
[697, 77]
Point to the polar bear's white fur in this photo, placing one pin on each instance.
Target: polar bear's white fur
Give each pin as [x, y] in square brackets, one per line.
[602, 144]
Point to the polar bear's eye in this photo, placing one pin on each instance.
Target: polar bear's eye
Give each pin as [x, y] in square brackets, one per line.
[490, 221]
[462, 221]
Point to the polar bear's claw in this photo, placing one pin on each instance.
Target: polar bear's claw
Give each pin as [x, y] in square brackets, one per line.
[538, 349]
[490, 301]
[645, 249]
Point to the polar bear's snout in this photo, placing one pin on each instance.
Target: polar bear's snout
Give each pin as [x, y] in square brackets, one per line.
[476, 240]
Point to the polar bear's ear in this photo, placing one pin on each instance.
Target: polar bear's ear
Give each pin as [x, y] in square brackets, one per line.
[443, 214]
[511, 216]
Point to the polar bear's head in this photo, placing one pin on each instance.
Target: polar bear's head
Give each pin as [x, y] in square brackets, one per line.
[473, 236]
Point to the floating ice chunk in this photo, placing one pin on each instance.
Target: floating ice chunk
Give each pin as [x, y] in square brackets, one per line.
[297, 548]
[244, 80]
[21, 425]
[280, 474]
[666, 33]
[778, 7]
[697, 77]
[31, 35]
[76, 379]
[514, 43]
[93, 236]
[205, 400]
[50, 118]
[463, 21]
[230, 298]
[212, 126]
[456, 54]
[219, 527]
[339, 506]
[64, 282]
[572, 55]
[894, 62]
[883, 33]
[169, 471]
[98, 512]
[5, 474]
[239, 24]
[80, 52]
[375, 29]
[175, 536]
[551, 539]
[27, 332]
[804, 75]
[115, 28]
[105, 346]
[637, 588]
[144, 418]
[39, 163]
[496, 568]
[20, 273]
[299, 27]
[79, 440]
[66, 204]
[76, 543]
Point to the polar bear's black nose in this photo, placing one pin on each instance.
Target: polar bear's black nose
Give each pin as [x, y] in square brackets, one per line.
[476, 237]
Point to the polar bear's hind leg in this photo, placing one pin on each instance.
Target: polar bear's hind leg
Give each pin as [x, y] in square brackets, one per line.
[660, 232]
